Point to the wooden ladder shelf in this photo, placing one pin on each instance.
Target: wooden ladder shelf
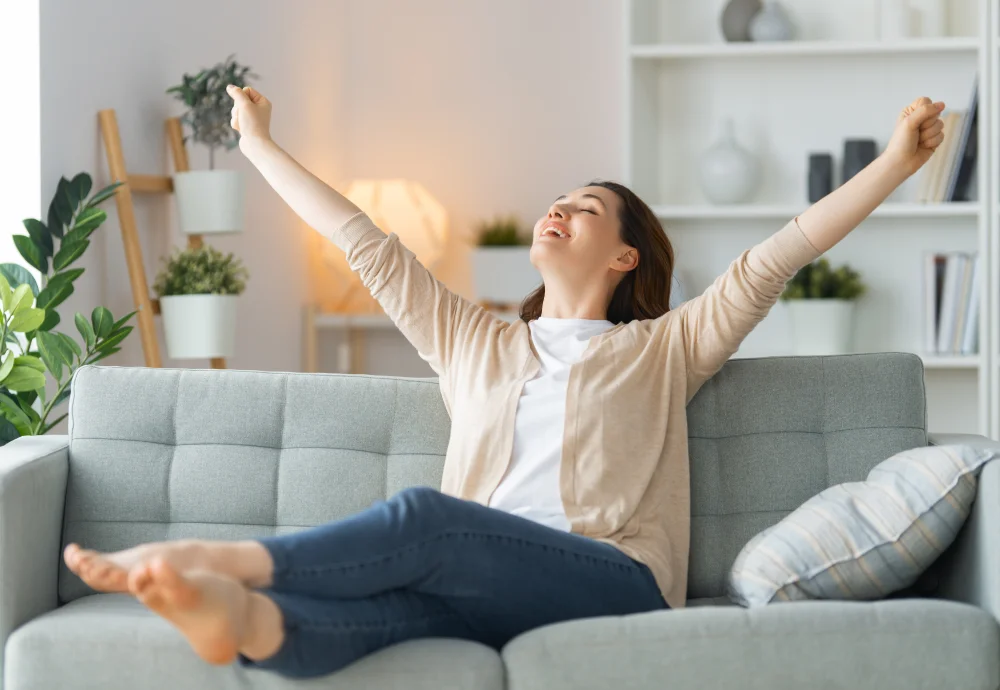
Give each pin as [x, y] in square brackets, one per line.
[148, 184]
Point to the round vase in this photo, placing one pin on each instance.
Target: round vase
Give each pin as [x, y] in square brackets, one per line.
[821, 326]
[772, 24]
[729, 173]
[735, 20]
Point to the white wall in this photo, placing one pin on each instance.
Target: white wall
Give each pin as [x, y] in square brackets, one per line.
[494, 107]
[124, 55]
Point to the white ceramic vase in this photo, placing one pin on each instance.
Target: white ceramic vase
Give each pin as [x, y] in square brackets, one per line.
[199, 326]
[209, 201]
[821, 326]
[772, 23]
[729, 174]
[503, 275]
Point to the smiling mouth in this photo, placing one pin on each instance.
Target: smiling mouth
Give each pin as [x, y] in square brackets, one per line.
[553, 231]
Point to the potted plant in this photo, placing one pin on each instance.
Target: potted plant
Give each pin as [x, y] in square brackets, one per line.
[210, 201]
[502, 270]
[821, 308]
[197, 289]
[30, 347]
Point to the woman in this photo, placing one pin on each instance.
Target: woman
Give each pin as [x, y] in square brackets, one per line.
[565, 487]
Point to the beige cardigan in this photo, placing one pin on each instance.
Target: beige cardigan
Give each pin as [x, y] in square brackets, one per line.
[624, 477]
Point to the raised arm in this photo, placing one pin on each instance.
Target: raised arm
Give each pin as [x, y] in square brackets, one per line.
[432, 318]
[715, 323]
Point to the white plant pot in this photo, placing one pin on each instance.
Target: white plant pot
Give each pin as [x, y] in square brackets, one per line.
[199, 326]
[822, 326]
[503, 275]
[209, 201]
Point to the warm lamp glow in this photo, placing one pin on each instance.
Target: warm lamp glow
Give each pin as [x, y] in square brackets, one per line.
[407, 209]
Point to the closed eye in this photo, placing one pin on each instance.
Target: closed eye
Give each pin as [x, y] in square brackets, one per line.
[588, 210]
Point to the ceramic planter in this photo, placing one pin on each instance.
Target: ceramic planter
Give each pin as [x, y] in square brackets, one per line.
[209, 201]
[503, 275]
[199, 326]
[821, 326]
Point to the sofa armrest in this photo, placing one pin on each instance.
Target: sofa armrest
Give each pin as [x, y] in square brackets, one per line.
[969, 570]
[33, 473]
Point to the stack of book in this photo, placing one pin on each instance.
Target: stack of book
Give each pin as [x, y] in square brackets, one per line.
[948, 174]
[951, 303]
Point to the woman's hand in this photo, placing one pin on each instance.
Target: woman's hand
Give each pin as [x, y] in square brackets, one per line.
[251, 115]
[918, 133]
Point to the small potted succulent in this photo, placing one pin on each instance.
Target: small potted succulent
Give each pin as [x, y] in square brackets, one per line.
[198, 289]
[210, 201]
[821, 304]
[502, 270]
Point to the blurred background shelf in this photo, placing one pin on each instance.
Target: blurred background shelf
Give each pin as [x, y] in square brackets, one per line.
[682, 51]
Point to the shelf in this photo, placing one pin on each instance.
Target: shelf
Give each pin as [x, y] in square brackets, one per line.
[957, 44]
[951, 361]
[783, 211]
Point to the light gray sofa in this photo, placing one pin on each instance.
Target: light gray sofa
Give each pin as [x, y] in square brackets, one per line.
[161, 454]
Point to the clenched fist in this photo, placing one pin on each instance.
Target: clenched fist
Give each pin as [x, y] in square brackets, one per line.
[251, 115]
[918, 133]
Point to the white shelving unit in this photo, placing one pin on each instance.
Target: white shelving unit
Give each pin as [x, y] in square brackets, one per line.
[787, 100]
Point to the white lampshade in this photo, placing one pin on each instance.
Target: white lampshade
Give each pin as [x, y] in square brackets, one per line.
[407, 209]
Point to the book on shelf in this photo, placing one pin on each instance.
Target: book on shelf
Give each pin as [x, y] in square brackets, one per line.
[948, 174]
[952, 293]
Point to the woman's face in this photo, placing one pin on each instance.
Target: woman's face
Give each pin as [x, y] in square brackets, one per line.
[580, 236]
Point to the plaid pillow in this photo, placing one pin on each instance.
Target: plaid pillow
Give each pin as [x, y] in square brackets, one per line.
[863, 540]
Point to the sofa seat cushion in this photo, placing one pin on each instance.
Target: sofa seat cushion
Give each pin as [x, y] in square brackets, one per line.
[905, 644]
[110, 642]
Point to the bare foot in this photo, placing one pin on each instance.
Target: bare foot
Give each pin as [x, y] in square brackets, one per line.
[210, 610]
[248, 562]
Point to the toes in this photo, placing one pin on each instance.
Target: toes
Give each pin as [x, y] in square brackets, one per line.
[139, 579]
[71, 556]
[174, 587]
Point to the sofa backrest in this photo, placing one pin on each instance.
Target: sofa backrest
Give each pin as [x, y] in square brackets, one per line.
[165, 454]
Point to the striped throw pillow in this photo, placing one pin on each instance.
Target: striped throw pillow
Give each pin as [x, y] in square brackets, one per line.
[863, 540]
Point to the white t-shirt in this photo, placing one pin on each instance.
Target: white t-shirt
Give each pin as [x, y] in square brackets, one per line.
[530, 488]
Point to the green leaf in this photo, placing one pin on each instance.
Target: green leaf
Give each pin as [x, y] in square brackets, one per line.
[81, 185]
[25, 379]
[7, 365]
[12, 412]
[30, 361]
[85, 329]
[8, 432]
[104, 354]
[54, 225]
[18, 275]
[68, 253]
[71, 196]
[114, 339]
[121, 322]
[31, 252]
[5, 293]
[64, 205]
[27, 320]
[26, 399]
[86, 222]
[48, 345]
[40, 235]
[71, 344]
[104, 194]
[21, 299]
[102, 320]
[64, 278]
[51, 320]
[51, 297]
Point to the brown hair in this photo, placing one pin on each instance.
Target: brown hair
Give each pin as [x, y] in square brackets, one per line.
[644, 292]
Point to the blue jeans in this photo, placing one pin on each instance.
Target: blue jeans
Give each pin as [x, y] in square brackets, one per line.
[424, 564]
